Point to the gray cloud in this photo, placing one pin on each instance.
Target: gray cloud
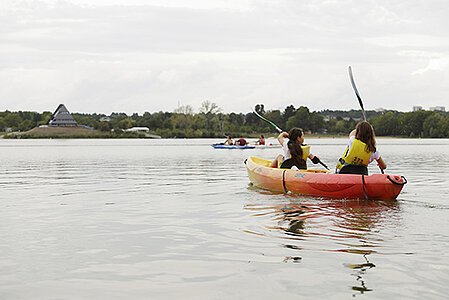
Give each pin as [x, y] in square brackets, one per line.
[136, 58]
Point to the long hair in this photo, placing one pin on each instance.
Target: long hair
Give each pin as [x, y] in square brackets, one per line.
[294, 147]
[365, 133]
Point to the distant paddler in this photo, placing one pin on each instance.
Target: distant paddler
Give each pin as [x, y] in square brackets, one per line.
[228, 141]
[241, 141]
[261, 140]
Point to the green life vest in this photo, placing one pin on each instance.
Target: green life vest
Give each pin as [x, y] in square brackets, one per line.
[357, 155]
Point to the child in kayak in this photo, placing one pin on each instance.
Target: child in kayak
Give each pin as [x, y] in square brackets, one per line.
[241, 141]
[295, 152]
[228, 141]
[261, 140]
[360, 152]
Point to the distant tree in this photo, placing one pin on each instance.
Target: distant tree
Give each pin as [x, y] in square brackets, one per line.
[12, 120]
[104, 126]
[316, 122]
[301, 119]
[184, 109]
[2, 124]
[125, 124]
[413, 122]
[436, 126]
[275, 117]
[289, 111]
[386, 124]
[208, 107]
[25, 125]
[259, 108]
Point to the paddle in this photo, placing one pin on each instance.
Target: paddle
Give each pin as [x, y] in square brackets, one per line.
[268, 121]
[280, 130]
[359, 98]
[356, 92]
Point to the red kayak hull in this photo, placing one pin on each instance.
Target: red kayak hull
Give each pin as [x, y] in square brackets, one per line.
[322, 183]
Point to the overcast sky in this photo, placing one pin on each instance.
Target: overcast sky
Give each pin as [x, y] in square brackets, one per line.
[135, 56]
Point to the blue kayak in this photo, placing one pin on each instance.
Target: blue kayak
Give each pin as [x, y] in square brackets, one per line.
[218, 146]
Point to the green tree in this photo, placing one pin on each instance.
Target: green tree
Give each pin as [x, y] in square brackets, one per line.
[435, 126]
[125, 124]
[387, 124]
[300, 119]
[12, 120]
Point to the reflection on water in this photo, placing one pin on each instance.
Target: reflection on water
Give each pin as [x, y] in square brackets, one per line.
[164, 219]
[328, 225]
[360, 270]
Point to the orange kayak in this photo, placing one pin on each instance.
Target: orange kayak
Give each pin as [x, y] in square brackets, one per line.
[323, 183]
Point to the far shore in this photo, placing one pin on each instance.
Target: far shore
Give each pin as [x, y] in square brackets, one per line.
[81, 132]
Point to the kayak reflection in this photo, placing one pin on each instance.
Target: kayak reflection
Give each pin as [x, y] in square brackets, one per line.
[329, 225]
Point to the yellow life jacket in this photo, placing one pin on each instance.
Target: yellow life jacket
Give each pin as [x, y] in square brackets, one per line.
[305, 151]
[358, 155]
[305, 154]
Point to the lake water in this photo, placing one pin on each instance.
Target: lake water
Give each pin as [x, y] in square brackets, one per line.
[177, 219]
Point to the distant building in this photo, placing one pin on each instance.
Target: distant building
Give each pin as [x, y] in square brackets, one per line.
[138, 129]
[438, 108]
[105, 119]
[87, 127]
[380, 109]
[61, 117]
[416, 108]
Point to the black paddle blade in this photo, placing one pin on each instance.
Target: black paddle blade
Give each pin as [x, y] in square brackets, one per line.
[356, 91]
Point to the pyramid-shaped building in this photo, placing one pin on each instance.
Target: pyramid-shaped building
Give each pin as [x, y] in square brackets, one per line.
[62, 117]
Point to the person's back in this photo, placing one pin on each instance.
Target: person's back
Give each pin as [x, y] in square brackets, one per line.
[360, 152]
[242, 142]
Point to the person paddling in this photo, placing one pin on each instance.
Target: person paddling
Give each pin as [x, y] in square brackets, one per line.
[261, 140]
[295, 152]
[241, 141]
[360, 152]
[228, 141]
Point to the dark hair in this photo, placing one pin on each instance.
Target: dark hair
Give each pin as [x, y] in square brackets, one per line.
[262, 136]
[294, 147]
[365, 133]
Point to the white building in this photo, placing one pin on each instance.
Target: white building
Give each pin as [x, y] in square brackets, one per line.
[138, 129]
[438, 108]
[417, 108]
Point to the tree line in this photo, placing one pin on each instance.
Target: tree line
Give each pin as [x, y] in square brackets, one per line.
[211, 122]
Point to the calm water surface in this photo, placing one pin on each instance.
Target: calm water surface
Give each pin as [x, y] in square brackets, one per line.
[166, 219]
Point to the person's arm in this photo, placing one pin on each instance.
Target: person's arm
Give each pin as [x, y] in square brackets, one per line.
[281, 137]
[352, 133]
[315, 159]
[381, 163]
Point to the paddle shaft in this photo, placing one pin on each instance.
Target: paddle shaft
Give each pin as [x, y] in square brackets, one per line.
[356, 92]
[269, 122]
[359, 98]
[280, 130]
